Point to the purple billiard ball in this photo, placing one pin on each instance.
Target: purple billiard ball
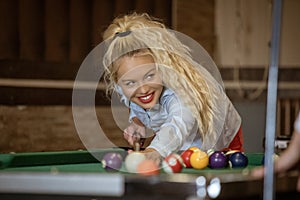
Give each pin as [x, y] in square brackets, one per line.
[238, 160]
[217, 160]
[112, 161]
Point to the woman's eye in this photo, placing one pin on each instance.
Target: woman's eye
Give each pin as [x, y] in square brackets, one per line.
[129, 83]
[150, 76]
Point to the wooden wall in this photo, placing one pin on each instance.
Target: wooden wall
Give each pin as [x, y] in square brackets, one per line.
[197, 20]
[43, 42]
[49, 39]
[63, 30]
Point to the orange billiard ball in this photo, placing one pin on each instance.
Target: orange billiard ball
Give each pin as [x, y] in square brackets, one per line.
[147, 168]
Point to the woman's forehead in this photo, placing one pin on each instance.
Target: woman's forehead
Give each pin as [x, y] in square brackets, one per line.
[135, 64]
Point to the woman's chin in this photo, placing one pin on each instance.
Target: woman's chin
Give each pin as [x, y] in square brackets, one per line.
[146, 106]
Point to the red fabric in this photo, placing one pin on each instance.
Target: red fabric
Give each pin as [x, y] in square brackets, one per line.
[237, 142]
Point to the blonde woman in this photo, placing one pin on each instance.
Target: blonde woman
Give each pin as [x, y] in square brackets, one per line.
[166, 90]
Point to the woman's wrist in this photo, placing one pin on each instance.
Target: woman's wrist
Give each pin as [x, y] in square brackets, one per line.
[149, 150]
[137, 121]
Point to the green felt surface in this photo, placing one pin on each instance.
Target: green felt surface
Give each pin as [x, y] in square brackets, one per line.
[85, 162]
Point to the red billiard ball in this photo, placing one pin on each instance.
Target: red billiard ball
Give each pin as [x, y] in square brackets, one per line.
[173, 163]
[238, 160]
[112, 161]
[186, 155]
[217, 160]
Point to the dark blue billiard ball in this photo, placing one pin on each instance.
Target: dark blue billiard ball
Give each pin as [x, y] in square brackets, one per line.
[217, 160]
[238, 160]
[112, 161]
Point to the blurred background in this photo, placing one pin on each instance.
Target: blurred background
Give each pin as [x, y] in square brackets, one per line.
[44, 42]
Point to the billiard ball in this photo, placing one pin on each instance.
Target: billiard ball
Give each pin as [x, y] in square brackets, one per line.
[228, 153]
[199, 159]
[210, 151]
[275, 157]
[173, 163]
[147, 168]
[238, 160]
[194, 148]
[186, 155]
[132, 160]
[217, 160]
[112, 161]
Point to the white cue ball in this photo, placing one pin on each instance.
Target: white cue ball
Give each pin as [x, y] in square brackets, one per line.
[133, 160]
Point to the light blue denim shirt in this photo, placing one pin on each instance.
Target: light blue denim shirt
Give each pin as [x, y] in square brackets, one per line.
[174, 126]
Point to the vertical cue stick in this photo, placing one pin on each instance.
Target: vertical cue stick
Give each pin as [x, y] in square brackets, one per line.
[271, 102]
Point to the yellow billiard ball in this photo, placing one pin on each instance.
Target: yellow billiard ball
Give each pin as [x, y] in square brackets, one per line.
[199, 160]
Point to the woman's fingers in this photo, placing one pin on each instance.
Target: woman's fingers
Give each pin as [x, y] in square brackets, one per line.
[132, 138]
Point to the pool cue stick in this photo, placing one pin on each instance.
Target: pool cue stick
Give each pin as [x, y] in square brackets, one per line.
[136, 143]
[268, 190]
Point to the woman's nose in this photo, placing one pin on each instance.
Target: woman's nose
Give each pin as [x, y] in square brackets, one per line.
[143, 89]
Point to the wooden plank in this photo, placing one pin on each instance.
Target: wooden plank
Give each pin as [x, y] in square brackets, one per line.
[278, 117]
[46, 83]
[163, 10]
[31, 23]
[57, 30]
[123, 7]
[45, 96]
[287, 116]
[146, 6]
[42, 70]
[195, 18]
[102, 16]
[80, 27]
[295, 111]
[9, 36]
[48, 128]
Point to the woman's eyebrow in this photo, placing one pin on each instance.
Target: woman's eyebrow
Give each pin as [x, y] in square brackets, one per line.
[151, 70]
[126, 80]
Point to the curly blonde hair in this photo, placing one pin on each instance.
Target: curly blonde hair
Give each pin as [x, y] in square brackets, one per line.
[145, 35]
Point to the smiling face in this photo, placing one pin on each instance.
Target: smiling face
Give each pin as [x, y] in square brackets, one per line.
[140, 81]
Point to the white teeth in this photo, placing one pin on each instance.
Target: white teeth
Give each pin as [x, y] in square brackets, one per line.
[146, 97]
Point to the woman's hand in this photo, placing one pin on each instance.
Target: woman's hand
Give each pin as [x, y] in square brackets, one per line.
[135, 133]
[152, 154]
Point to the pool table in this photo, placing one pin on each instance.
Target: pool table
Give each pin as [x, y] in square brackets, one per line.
[80, 175]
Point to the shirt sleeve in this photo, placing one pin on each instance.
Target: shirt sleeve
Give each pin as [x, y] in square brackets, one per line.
[131, 115]
[297, 124]
[174, 132]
